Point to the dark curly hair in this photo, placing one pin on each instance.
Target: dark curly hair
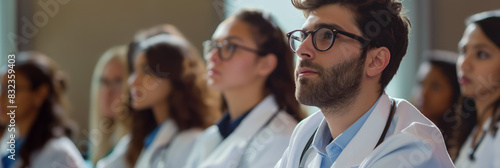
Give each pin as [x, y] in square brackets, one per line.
[382, 21]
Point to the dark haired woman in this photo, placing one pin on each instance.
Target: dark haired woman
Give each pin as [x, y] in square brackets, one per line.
[250, 63]
[172, 102]
[42, 129]
[479, 76]
[438, 95]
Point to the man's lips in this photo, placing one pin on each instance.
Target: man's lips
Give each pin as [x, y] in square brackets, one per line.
[306, 72]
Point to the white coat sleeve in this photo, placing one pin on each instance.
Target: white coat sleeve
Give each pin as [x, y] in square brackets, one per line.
[117, 158]
[59, 153]
[282, 162]
[63, 159]
[416, 147]
[267, 155]
[496, 148]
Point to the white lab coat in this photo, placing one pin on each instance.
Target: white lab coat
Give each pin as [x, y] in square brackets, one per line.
[409, 130]
[3, 143]
[486, 155]
[248, 145]
[116, 159]
[158, 154]
[57, 152]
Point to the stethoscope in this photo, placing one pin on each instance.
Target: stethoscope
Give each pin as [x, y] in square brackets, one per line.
[306, 151]
[471, 154]
[260, 129]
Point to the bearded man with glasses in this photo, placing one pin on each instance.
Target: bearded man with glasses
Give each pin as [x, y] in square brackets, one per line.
[348, 51]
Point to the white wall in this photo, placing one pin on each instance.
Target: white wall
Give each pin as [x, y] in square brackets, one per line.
[8, 26]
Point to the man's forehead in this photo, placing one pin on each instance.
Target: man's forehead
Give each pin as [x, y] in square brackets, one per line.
[338, 16]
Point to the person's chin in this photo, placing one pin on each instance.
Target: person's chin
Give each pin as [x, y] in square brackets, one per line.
[138, 106]
[468, 92]
[304, 81]
[215, 86]
[302, 97]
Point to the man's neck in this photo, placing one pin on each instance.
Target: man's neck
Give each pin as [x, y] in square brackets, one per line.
[339, 119]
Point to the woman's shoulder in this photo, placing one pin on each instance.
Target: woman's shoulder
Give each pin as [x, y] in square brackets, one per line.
[60, 144]
[283, 123]
[190, 134]
[59, 151]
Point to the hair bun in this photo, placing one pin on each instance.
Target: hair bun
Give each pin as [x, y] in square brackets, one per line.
[396, 7]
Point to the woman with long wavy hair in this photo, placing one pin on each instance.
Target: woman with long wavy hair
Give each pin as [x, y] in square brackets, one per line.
[42, 127]
[171, 102]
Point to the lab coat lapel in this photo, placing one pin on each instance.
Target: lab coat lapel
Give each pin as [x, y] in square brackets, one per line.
[310, 129]
[164, 136]
[367, 137]
[316, 162]
[233, 147]
[209, 144]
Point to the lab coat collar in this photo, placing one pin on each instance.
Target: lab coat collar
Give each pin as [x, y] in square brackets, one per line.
[166, 133]
[256, 119]
[248, 128]
[364, 141]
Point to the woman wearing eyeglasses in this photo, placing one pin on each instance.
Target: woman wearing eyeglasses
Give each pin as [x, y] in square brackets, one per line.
[109, 119]
[478, 69]
[250, 63]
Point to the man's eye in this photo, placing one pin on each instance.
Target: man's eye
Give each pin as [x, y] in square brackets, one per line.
[328, 35]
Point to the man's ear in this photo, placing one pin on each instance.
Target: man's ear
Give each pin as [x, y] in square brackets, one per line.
[377, 60]
[266, 64]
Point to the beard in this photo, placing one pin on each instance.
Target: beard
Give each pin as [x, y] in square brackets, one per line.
[336, 88]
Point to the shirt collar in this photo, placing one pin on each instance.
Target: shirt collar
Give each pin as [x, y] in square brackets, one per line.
[323, 143]
[227, 126]
[151, 136]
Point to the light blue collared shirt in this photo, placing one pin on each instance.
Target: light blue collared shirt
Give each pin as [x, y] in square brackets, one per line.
[330, 151]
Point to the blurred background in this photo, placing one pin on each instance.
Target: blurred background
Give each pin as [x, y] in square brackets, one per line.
[76, 33]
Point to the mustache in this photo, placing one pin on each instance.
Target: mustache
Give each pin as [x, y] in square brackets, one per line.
[309, 64]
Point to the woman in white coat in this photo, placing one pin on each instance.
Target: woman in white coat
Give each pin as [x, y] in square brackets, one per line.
[249, 62]
[41, 129]
[479, 75]
[172, 100]
[109, 116]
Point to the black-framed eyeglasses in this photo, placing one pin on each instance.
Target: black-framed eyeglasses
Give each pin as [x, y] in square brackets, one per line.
[226, 49]
[323, 38]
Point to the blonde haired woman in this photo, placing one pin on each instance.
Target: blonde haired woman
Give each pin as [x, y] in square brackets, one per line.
[108, 110]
